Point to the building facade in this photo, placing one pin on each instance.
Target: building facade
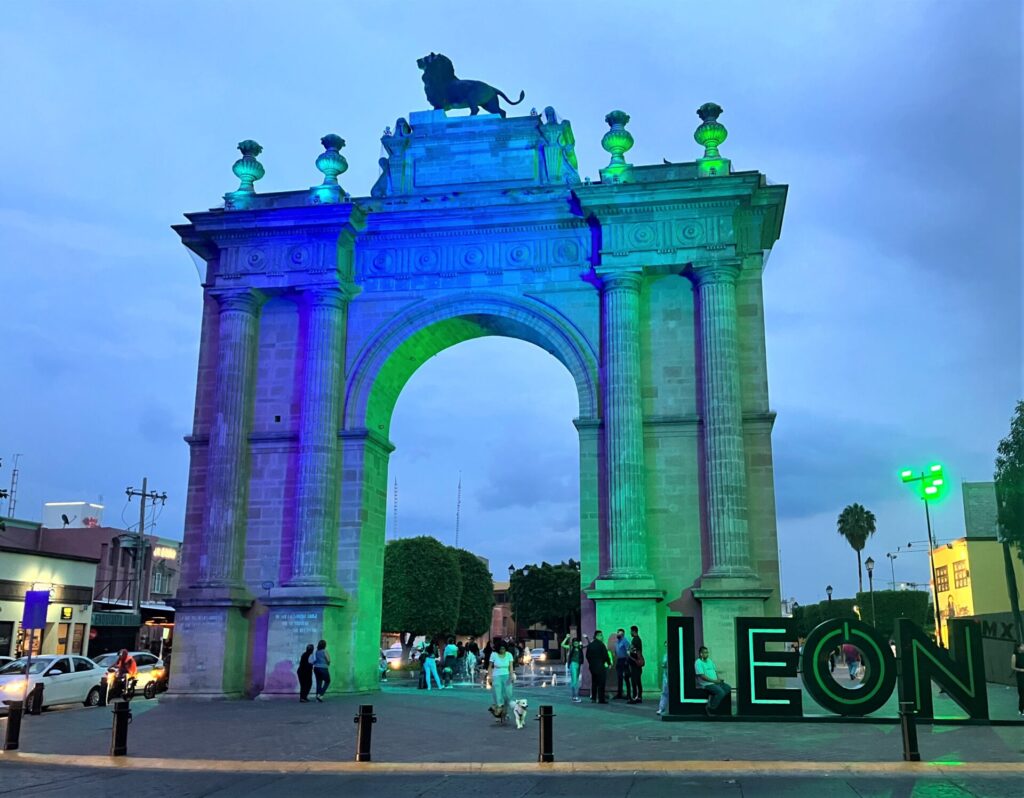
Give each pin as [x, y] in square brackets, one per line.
[70, 581]
[645, 285]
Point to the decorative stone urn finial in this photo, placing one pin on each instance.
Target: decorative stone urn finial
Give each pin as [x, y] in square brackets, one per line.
[617, 141]
[247, 169]
[710, 134]
[331, 162]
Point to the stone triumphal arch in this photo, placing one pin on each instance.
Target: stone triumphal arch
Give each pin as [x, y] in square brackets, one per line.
[318, 307]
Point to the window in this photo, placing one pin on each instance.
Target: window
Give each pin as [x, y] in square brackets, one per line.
[82, 665]
[145, 659]
[961, 577]
[159, 581]
[114, 548]
[942, 579]
[62, 665]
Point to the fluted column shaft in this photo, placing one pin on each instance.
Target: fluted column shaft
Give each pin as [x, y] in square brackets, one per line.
[313, 556]
[722, 412]
[227, 479]
[624, 428]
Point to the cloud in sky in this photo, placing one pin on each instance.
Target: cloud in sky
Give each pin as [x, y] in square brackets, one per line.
[893, 300]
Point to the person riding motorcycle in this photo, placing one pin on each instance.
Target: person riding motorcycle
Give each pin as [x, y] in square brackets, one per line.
[122, 683]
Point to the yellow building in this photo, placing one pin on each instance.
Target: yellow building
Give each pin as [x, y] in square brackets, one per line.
[970, 573]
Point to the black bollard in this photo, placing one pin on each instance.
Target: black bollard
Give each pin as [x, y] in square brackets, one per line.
[546, 752]
[36, 702]
[908, 725]
[104, 686]
[13, 730]
[119, 734]
[364, 730]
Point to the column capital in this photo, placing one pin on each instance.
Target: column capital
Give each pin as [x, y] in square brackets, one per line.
[714, 271]
[622, 281]
[336, 296]
[245, 300]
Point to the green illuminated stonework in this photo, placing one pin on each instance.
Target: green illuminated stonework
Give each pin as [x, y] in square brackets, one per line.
[645, 285]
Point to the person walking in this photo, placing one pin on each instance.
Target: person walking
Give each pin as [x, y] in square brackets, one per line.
[1017, 663]
[636, 666]
[305, 673]
[574, 662]
[621, 646]
[430, 665]
[599, 659]
[663, 701]
[321, 670]
[502, 676]
[448, 664]
[852, 657]
[470, 666]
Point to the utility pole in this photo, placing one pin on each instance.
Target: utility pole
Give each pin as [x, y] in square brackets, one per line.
[140, 538]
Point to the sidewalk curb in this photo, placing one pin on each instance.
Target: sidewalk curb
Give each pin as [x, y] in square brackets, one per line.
[696, 768]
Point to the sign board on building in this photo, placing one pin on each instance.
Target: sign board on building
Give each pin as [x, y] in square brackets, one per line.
[37, 602]
[66, 613]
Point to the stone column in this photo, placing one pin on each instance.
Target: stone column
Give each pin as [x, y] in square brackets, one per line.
[722, 412]
[227, 480]
[624, 429]
[313, 555]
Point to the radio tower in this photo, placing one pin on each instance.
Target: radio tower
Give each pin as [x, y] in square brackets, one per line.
[394, 514]
[458, 510]
[12, 494]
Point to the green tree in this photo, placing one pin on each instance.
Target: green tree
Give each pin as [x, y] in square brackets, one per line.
[422, 589]
[476, 604]
[1009, 479]
[547, 594]
[857, 524]
[893, 604]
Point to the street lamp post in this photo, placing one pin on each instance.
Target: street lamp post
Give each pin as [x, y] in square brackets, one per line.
[932, 482]
[869, 565]
[892, 564]
[828, 592]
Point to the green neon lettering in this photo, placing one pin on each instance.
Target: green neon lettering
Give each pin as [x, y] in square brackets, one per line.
[916, 647]
[754, 664]
[682, 675]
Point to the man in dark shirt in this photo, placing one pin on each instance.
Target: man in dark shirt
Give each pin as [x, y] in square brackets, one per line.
[636, 666]
[598, 660]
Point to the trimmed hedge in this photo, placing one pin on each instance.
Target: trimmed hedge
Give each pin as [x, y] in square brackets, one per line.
[889, 604]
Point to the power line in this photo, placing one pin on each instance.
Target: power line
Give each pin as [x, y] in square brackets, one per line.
[140, 540]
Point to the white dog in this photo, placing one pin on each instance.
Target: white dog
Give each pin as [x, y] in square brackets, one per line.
[519, 711]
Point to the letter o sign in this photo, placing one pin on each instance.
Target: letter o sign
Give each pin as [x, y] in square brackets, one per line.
[877, 658]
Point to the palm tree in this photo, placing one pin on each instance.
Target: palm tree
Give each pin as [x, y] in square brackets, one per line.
[856, 524]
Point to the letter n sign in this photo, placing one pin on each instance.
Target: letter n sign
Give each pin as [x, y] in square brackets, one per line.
[755, 664]
[961, 672]
[684, 698]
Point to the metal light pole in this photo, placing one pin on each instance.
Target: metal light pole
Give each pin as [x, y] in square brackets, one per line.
[869, 565]
[892, 565]
[931, 482]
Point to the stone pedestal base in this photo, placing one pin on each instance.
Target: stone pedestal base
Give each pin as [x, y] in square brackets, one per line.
[211, 645]
[621, 603]
[296, 618]
[722, 601]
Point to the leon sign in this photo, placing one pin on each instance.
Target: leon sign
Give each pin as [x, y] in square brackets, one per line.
[764, 653]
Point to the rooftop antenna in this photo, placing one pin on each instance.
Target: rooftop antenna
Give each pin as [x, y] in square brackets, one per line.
[12, 494]
[458, 510]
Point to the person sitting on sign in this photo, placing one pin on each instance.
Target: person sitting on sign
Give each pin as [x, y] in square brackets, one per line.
[707, 679]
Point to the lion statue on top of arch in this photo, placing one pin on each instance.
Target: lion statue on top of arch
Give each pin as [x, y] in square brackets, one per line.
[445, 91]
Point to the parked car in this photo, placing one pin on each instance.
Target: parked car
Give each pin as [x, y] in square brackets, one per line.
[151, 677]
[6, 661]
[538, 654]
[65, 680]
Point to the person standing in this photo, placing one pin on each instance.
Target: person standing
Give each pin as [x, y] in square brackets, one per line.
[852, 657]
[448, 664]
[321, 670]
[621, 646]
[430, 665]
[707, 678]
[502, 676]
[1017, 663]
[636, 666]
[574, 662]
[305, 673]
[598, 661]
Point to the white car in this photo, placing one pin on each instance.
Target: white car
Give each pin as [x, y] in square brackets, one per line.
[538, 654]
[65, 679]
[150, 670]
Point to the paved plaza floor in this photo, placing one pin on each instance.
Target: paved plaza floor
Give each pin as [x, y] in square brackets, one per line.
[445, 742]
